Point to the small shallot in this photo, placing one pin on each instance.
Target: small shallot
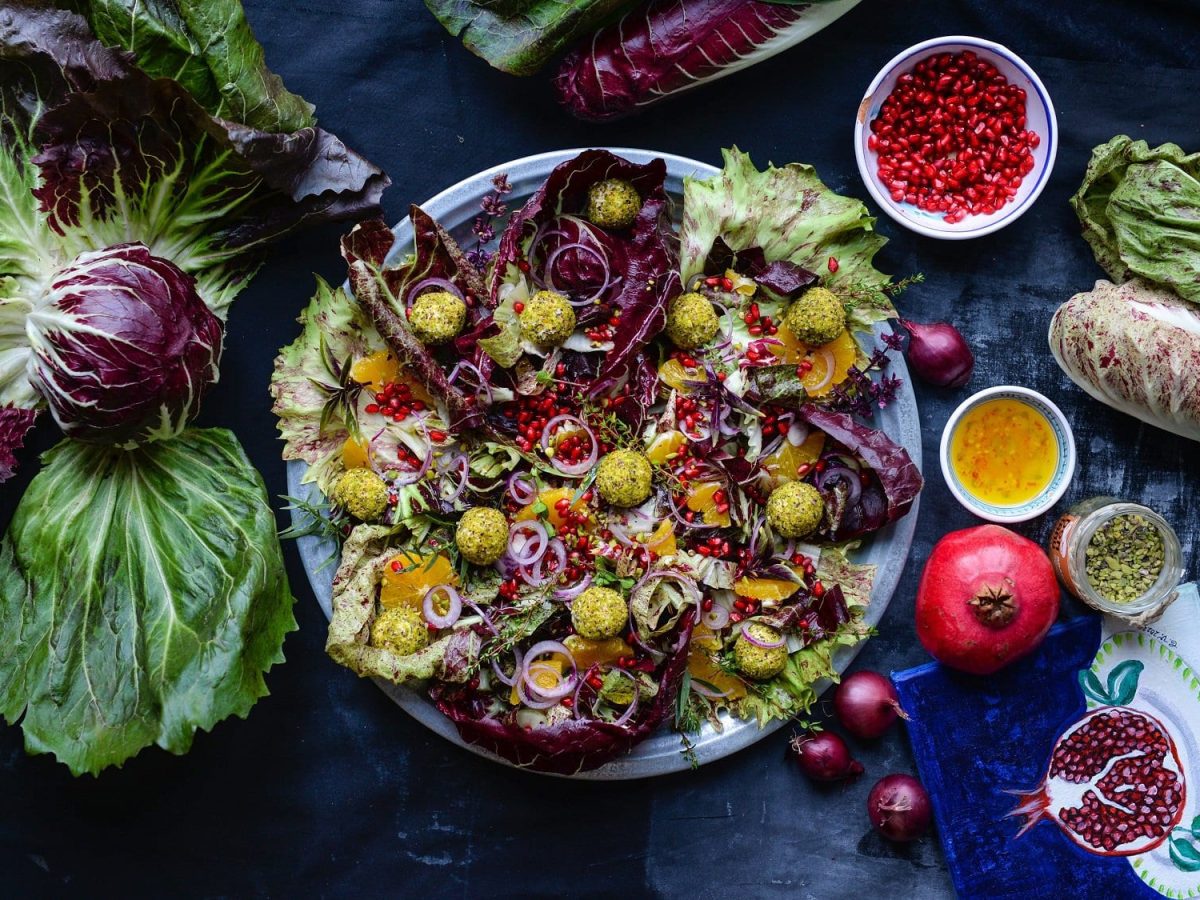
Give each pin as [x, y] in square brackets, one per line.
[939, 354]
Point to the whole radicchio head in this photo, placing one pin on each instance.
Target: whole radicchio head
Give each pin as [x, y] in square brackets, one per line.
[123, 346]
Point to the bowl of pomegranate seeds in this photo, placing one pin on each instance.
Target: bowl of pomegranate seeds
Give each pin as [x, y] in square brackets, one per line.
[956, 137]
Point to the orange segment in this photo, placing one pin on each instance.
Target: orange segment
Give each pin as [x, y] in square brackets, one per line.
[379, 368]
[702, 668]
[354, 454]
[765, 588]
[551, 498]
[545, 673]
[662, 541]
[665, 446]
[782, 465]
[416, 575]
[673, 374]
[588, 653]
[702, 499]
[836, 356]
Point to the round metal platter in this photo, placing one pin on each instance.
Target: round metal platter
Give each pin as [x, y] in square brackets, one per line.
[455, 208]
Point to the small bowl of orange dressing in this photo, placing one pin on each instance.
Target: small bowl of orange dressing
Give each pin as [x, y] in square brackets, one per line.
[1008, 454]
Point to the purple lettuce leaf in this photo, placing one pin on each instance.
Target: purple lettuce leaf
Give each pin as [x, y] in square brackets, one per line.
[572, 746]
[645, 256]
[14, 425]
[378, 288]
[781, 277]
[893, 482]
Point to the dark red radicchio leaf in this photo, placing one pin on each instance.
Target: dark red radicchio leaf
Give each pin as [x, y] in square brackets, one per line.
[14, 425]
[782, 278]
[665, 46]
[647, 261]
[812, 618]
[893, 484]
[574, 745]
[378, 288]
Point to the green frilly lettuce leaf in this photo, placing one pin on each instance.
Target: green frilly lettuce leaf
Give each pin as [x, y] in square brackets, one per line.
[313, 402]
[146, 605]
[793, 216]
[1140, 211]
[355, 586]
[521, 36]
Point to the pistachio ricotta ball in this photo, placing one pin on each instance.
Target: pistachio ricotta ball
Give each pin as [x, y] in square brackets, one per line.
[794, 509]
[437, 317]
[400, 629]
[547, 319]
[692, 321]
[361, 493]
[817, 317]
[759, 663]
[599, 613]
[623, 478]
[482, 535]
[613, 203]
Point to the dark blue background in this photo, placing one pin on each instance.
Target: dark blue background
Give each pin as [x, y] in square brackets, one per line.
[328, 789]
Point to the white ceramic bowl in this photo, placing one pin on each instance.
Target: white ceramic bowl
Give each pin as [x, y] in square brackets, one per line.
[1063, 472]
[1039, 117]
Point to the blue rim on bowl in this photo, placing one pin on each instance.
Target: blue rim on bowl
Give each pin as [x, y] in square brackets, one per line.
[1063, 472]
[1040, 117]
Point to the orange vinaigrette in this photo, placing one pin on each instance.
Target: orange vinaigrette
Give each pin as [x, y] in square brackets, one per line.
[1004, 452]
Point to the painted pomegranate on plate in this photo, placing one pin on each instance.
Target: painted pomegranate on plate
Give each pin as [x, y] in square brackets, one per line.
[1115, 784]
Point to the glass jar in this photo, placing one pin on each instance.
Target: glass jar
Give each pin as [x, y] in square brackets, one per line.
[1073, 533]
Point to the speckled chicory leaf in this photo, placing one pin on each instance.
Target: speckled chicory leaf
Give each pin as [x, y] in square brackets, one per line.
[147, 606]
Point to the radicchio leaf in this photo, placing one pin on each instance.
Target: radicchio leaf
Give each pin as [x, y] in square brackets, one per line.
[645, 254]
[665, 46]
[892, 488]
[14, 425]
[574, 745]
[783, 278]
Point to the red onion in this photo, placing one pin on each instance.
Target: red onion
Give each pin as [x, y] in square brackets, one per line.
[453, 611]
[797, 433]
[570, 593]
[759, 642]
[484, 616]
[633, 703]
[522, 488]
[406, 478]
[697, 525]
[716, 618]
[939, 354]
[559, 551]
[843, 473]
[572, 469]
[533, 547]
[444, 284]
[506, 679]
[830, 363]
[866, 704]
[463, 464]
[824, 756]
[898, 807]
[553, 695]
[704, 691]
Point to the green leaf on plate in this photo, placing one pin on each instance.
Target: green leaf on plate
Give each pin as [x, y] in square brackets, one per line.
[1123, 681]
[143, 596]
[1196, 827]
[1185, 855]
[1092, 687]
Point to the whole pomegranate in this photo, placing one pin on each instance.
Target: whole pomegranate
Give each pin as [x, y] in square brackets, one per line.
[1114, 786]
[987, 597]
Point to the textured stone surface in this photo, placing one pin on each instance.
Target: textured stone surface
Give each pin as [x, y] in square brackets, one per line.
[328, 788]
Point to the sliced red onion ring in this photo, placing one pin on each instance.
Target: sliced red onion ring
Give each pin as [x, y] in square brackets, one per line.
[506, 679]
[758, 642]
[452, 613]
[705, 691]
[697, 525]
[716, 618]
[419, 473]
[479, 612]
[827, 356]
[527, 685]
[521, 488]
[559, 551]
[633, 703]
[441, 283]
[530, 550]
[572, 469]
[482, 386]
[463, 464]
[797, 433]
[850, 476]
[570, 593]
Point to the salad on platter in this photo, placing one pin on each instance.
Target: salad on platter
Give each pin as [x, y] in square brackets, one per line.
[613, 472]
